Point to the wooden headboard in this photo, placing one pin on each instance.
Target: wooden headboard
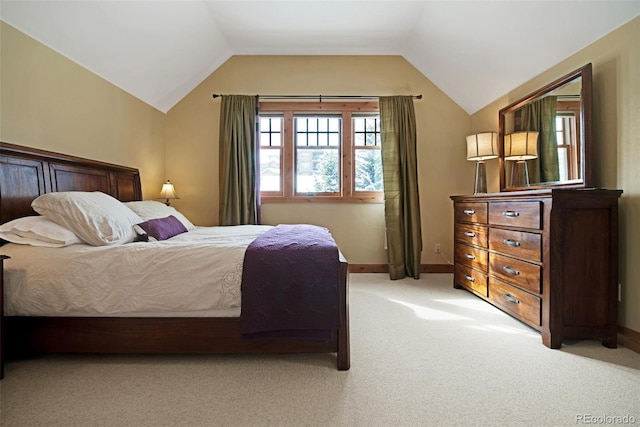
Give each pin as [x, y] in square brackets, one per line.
[26, 173]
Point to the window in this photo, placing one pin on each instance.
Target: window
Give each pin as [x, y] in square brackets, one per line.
[565, 138]
[366, 148]
[317, 154]
[320, 152]
[270, 153]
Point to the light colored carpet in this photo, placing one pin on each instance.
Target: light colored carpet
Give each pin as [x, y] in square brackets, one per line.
[423, 354]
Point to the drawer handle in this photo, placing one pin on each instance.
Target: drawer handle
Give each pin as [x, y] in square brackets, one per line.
[512, 243]
[511, 214]
[469, 211]
[469, 278]
[511, 271]
[511, 298]
[469, 234]
[470, 256]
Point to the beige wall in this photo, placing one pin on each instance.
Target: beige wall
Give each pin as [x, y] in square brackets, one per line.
[192, 145]
[52, 103]
[616, 88]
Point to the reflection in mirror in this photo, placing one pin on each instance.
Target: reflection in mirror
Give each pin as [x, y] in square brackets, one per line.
[520, 147]
[557, 113]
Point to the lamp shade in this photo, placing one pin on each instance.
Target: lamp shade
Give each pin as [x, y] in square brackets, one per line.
[521, 146]
[482, 146]
[168, 192]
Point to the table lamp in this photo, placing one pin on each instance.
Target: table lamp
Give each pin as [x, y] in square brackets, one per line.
[520, 147]
[168, 192]
[480, 147]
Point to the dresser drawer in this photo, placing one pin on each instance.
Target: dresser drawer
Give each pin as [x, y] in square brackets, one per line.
[475, 235]
[520, 273]
[471, 212]
[516, 302]
[473, 257]
[471, 279]
[516, 214]
[518, 244]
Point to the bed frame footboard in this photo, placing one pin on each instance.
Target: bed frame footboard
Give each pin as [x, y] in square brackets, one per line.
[26, 335]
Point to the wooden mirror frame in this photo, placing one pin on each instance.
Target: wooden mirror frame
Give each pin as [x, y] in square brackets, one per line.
[586, 132]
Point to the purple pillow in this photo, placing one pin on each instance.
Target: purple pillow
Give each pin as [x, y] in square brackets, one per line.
[162, 228]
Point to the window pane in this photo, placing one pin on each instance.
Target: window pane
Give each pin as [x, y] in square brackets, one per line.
[301, 139]
[559, 131]
[270, 131]
[366, 131]
[371, 124]
[371, 139]
[562, 164]
[317, 170]
[368, 176]
[270, 170]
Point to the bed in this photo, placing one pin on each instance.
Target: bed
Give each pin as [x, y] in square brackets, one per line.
[25, 175]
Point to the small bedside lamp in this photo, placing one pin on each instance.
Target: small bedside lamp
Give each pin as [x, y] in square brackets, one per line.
[168, 192]
[480, 147]
[520, 147]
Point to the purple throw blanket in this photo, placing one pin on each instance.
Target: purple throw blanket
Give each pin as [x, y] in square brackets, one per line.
[290, 284]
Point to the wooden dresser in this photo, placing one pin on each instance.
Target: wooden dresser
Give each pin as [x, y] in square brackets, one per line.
[549, 258]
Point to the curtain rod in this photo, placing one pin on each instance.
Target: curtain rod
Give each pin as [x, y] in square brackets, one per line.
[320, 97]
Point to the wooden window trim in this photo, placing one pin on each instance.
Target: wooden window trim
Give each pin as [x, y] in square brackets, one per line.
[347, 153]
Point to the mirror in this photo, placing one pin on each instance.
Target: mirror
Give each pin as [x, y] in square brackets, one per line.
[558, 118]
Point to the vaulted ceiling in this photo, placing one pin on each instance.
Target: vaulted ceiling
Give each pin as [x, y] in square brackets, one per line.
[474, 51]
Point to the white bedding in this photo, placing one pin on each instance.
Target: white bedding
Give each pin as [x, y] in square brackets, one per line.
[194, 274]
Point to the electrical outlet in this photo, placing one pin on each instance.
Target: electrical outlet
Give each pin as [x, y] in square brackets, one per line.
[619, 292]
[437, 248]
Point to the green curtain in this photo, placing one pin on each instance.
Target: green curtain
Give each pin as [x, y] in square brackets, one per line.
[540, 116]
[238, 168]
[400, 177]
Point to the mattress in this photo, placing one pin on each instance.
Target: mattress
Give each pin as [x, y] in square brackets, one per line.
[194, 274]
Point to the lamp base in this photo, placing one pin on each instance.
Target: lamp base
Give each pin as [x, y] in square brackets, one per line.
[480, 185]
[520, 174]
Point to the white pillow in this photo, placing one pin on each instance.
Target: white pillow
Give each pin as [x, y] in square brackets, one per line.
[37, 231]
[151, 209]
[95, 217]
